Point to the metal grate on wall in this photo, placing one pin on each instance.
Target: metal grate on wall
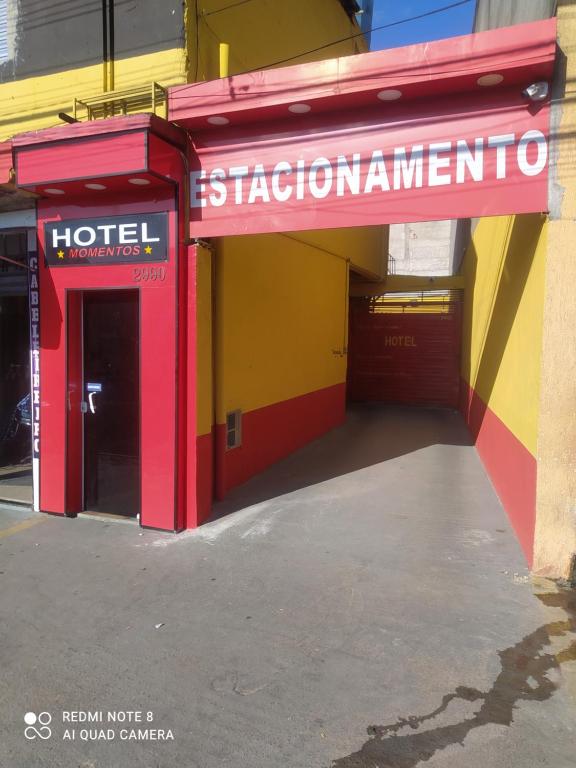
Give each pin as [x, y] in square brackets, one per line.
[420, 302]
[233, 430]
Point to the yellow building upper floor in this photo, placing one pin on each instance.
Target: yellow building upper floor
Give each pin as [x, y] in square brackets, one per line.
[52, 54]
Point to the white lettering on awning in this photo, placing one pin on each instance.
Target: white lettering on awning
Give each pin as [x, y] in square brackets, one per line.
[440, 163]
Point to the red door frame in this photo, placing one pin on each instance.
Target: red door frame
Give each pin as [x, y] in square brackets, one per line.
[61, 383]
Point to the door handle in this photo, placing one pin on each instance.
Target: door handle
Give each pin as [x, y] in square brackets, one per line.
[91, 402]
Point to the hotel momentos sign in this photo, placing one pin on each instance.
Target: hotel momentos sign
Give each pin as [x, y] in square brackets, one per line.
[112, 240]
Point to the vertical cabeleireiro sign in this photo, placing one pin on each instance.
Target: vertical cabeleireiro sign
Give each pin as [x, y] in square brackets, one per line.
[34, 302]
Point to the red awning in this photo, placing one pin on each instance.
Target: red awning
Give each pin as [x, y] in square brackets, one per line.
[430, 131]
[6, 163]
[74, 160]
[520, 55]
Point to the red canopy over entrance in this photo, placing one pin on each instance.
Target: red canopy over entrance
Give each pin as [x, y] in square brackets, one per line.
[415, 133]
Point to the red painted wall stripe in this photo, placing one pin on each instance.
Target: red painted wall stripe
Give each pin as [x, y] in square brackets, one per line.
[271, 433]
[204, 481]
[509, 464]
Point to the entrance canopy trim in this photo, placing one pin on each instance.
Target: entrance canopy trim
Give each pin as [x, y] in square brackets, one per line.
[520, 55]
[433, 131]
[115, 155]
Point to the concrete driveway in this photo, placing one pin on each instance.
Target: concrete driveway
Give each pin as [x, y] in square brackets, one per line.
[363, 604]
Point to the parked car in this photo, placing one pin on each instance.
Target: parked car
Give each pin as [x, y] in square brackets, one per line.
[15, 442]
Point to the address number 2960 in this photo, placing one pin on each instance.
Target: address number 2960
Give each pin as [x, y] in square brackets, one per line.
[149, 274]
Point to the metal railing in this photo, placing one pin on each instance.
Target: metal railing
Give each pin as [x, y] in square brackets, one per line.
[145, 98]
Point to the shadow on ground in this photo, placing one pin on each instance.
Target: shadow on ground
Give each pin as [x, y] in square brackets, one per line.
[524, 676]
[372, 434]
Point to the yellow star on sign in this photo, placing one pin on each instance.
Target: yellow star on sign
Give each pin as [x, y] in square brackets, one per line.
[148, 249]
[60, 254]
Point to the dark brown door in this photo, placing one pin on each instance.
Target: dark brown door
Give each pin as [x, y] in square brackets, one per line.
[111, 402]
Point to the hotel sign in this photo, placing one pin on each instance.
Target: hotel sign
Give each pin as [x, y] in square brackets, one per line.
[133, 239]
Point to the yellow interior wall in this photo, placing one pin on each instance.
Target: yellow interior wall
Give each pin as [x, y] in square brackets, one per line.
[204, 383]
[281, 307]
[281, 321]
[502, 329]
[365, 247]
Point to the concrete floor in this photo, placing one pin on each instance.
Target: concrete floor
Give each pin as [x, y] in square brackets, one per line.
[363, 604]
[16, 484]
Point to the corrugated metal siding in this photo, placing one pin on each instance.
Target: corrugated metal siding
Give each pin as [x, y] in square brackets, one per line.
[3, 30]
[492, 14]
[406, 349]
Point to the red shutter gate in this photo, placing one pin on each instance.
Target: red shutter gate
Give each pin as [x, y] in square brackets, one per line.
[406, 348]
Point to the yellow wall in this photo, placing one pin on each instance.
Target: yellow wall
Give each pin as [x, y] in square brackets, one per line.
[262, 33]
[555, 539]
[365, 247]
[502, 331]
[281, 321]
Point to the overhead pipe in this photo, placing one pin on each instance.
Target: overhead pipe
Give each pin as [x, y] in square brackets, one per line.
[224, 59]
[107, 45]
[111, 44]
[104, 46]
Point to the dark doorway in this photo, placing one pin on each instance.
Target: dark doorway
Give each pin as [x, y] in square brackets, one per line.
[111, 330]
[15, 410]
[15, 414]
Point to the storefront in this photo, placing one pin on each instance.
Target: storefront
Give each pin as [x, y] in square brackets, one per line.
[112, 323]
[123, 202]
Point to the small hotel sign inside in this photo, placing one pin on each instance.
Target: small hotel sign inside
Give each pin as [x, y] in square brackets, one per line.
[114, 240]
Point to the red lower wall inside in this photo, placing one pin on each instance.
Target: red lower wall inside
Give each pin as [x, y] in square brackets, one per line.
[271, 433]
[509, 464]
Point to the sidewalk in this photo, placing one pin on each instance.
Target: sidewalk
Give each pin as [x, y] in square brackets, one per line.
[362, 604]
